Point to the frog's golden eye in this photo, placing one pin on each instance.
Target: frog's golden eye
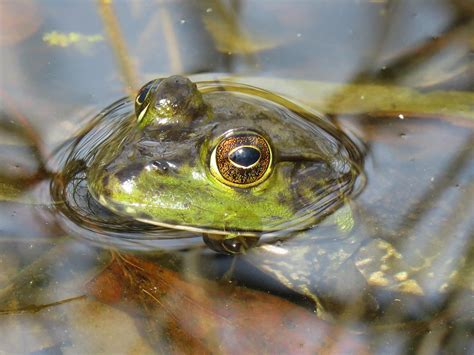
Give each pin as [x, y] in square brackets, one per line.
[241, 159]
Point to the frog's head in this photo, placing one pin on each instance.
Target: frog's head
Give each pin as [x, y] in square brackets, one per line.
[222, 160]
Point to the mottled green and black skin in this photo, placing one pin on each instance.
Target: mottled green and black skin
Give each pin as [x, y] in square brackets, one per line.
[157, 166]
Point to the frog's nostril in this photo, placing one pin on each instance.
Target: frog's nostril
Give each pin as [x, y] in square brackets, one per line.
[162, 166]
[159, 165]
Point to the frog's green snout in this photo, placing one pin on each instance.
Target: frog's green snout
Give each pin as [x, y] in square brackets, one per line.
[174, 100]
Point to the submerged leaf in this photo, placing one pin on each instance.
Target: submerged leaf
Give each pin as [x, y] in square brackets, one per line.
[200, 316]
[335, 98]
[10, 192]
[231, 37]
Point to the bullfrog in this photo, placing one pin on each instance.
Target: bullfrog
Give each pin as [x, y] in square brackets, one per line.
[251, 172]
[221, 162]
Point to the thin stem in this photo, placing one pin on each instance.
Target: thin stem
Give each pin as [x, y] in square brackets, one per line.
[117, 41]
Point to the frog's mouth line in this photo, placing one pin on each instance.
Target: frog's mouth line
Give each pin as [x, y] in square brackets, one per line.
[299, 223]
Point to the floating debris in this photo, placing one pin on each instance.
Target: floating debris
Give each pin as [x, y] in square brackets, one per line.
[59, 39]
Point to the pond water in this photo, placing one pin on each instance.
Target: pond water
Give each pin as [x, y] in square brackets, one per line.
[390, 270]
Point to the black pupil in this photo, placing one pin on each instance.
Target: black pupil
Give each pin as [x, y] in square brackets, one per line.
[142, 94]
[245, 156]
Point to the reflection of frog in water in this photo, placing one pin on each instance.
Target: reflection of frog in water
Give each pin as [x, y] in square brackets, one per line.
[237, 164]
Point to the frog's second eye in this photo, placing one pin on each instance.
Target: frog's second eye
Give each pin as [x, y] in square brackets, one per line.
[142, 95]
[241, 159]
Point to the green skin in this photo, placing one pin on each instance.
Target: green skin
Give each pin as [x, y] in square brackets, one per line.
[157, 170]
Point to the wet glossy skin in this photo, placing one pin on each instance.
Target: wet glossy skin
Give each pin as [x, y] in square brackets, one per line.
[163, 166]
